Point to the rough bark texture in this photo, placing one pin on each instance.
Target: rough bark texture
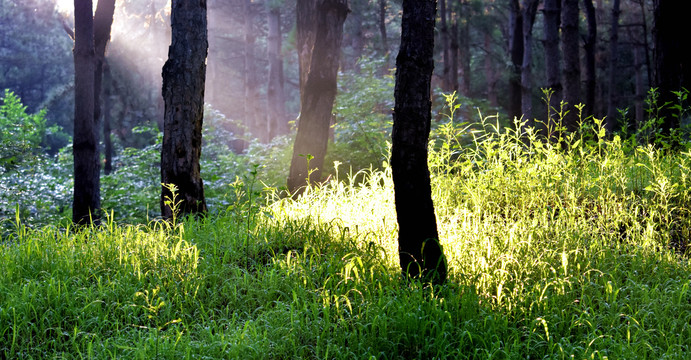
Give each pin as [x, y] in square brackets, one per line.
[419, 249]
[590, 48]
[572, 64]
[86, 202]
[184, 76]
[551, 13]
[306, 18]
[610, 120]
[275, 94]
[516, 52]
[319, 92]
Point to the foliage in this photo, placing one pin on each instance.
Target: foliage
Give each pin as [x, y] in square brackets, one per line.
[573, 249]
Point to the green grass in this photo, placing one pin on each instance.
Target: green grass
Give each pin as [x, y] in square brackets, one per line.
[560, 252]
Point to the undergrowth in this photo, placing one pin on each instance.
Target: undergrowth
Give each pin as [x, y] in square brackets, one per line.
[574, 249]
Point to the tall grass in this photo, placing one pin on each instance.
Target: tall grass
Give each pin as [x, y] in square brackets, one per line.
[574, 249]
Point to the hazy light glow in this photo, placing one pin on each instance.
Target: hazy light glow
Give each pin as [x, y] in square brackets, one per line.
[64, 6]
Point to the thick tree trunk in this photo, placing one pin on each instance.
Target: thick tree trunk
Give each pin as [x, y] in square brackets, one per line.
[572, 64]
[306, 18]
[590, 48]
[418, 240]
[611, 119]
[184, 75]
[274, 94]
[87, 200]
[319, 92]
[551, 13]
[516, 53]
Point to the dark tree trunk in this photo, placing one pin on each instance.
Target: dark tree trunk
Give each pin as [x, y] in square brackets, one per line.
[572, 64]
[516, 52]
[611, 119]
[464, 48]
[446, 51]
[454, 55]
[87, 200]
[184, 75]
[590, 48]
[529, 13]
[418, 241]
[107, 108]
[306, 17]
[318, 92]
[672, 59]
[382, 27]
[275, 95]
[551, 13]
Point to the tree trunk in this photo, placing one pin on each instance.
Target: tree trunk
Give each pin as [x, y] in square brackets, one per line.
[107, 108]
[319, 92]
[529, 12]
[382, 27]
[672, 59]
[306, 17]
[254, 121]
[610, 121]
[446, 54]
[572, 63]
[103, 21]
[551, 13]
[418, 240]
[184, 75]
[590, 48]
[87, 200]
[454, 55]
[464, 48]
[516, 53]
[490, 73]
[275, 95]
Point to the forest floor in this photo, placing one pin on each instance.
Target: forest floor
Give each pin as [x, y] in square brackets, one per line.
[553, 253]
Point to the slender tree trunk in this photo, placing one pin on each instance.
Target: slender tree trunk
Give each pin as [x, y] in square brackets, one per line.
[516, 52]
[319, 92]
[590, 48]
[275, 95]
[551, 13]
[254, 120]
[103, 21]
[464, 48]
[572, 63]
[529, 13]
[446, 53]
[418, 240]
[382, 27]
[87, 200]
[638, 59]
[184, 76]
[611, 119]
[454, 55]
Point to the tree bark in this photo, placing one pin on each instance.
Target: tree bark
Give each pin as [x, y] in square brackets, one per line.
[87, 200]
[529, 12]
[610, 120]
[275, 94]
[590, 48]
[184, 75]
[516, 53]
[420, 253]
[319, 92]
[572, 63]
[551, 13]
